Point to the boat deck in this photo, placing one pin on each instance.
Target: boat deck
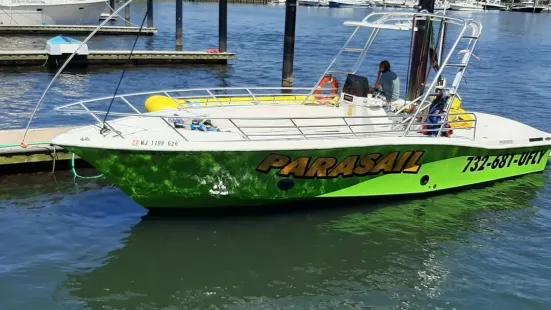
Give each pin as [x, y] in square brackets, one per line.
[273, 126]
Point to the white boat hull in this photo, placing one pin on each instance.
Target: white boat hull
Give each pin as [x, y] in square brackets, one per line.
[313, 3]
[82, 13]
[466, 7]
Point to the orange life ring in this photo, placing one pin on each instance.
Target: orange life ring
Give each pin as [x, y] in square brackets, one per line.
[318, 93]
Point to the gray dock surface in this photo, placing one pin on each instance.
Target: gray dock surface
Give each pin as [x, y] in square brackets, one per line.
[39, 156]
[109, 57]
[38, 140]
[75, 30]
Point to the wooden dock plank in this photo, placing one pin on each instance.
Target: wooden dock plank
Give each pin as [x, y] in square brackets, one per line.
[75, 30]
[40, 57]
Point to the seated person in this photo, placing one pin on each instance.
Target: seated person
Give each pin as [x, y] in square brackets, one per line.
[388, 82]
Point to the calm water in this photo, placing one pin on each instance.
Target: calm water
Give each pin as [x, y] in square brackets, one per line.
[85, 245]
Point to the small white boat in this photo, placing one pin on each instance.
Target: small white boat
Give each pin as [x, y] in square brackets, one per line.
[390, 3]
[313, 2]
[395, 3]
[527, 7]
[493, 5]
[50, 12]
[467, 5]
[349, 3]
[441, 5]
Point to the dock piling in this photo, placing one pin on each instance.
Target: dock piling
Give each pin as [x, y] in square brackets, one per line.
[179, 31]
[223, 25]
[150, 13]
[127, 15]
[289, 43]
[420, 52]
[111, 6]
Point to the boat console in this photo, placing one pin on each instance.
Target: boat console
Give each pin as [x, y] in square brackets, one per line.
[359, 99]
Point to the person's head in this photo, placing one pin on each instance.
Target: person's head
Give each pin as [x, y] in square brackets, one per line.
[384, 66]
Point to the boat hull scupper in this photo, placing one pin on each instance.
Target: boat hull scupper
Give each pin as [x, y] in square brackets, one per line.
[223, 179]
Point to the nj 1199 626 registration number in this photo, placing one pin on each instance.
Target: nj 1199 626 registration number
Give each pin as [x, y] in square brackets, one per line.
[479, 163]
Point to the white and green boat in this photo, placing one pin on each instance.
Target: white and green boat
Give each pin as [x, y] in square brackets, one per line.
[225, 147]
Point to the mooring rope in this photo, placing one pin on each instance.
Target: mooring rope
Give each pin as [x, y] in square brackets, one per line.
[76, 175]
[53, 160]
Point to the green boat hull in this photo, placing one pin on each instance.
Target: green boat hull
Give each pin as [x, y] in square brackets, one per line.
[232, 178]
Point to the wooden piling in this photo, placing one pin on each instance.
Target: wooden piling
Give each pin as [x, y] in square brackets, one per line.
[127, 15]
[112, 6]
[289, 43]
[223, 25]
[179, 30]
[150, 13]
[420, 53]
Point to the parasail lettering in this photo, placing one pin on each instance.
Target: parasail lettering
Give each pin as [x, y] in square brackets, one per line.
[306, 167]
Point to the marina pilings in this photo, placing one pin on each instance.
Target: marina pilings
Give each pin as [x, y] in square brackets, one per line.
[289, 43]
[111, 6]
[419, 53]
[179, 30]
[150, 13]
[127, 15]
[223, 26]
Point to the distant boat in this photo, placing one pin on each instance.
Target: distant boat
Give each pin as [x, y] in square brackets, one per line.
[467, 5]
[528, 7]
[441, 5]
[313, 2]
[492, 5]
[348, 3]
[50, 12]
[391, 3]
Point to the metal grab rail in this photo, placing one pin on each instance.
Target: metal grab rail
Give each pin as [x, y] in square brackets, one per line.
[325, 125]
[476, 29]
[274, 130]
[210, 93]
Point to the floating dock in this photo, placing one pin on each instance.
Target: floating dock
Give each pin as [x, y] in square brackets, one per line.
[76, 30]
[39, 156]
[110, 57]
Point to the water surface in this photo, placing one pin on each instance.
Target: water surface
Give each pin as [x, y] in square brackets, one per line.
[85, 245]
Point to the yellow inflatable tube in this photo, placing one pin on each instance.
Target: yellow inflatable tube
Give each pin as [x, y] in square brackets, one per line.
[456, 116]
[159, 103]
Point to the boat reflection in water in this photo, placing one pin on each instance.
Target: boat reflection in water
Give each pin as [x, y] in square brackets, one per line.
[337, 257]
